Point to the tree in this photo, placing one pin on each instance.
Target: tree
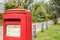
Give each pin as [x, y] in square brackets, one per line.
[22, 4]
[55, 5]
[9, 5]
[39, 12]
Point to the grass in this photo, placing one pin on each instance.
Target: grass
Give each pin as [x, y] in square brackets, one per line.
[53, 33]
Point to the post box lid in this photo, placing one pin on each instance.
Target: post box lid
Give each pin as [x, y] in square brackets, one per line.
[16, 11]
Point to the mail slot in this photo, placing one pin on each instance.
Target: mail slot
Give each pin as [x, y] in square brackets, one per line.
[17, 24]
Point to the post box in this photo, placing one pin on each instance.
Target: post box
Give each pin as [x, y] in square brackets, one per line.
[17, 25]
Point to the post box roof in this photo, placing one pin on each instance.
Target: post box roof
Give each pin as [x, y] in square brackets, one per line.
[21, 11]
[16, 10]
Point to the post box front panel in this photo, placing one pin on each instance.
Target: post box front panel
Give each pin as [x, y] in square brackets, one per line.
[11, 28]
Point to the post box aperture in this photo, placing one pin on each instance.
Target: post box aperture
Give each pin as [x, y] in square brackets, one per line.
[17, 25]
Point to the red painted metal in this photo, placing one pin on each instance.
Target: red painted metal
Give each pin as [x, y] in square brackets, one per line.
[21, 17]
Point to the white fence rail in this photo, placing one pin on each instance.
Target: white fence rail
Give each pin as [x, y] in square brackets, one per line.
[41, 26]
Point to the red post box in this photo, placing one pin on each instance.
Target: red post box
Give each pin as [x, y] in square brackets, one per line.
[17, 25]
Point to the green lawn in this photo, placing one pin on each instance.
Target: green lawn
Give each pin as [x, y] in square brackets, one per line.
[53, 33]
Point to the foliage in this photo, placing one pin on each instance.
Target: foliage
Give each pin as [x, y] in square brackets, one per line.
[55, 5]
[0, 19]
[8, 5]
[40, 10]
[40, 13]
[22, 4]
[0, 16]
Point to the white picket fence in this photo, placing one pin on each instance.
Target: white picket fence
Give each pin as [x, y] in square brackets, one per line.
[38, 26]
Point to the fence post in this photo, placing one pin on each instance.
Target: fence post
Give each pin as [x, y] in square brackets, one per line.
[46, 25]
[42, 27]
[34, 31]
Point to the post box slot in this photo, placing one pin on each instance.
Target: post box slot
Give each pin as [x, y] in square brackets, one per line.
[12, 19]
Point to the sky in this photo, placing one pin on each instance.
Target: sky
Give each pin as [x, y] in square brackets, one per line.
[46, 0]
[34, 0]
[1, 0]
[1, 5]
[40, 0]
